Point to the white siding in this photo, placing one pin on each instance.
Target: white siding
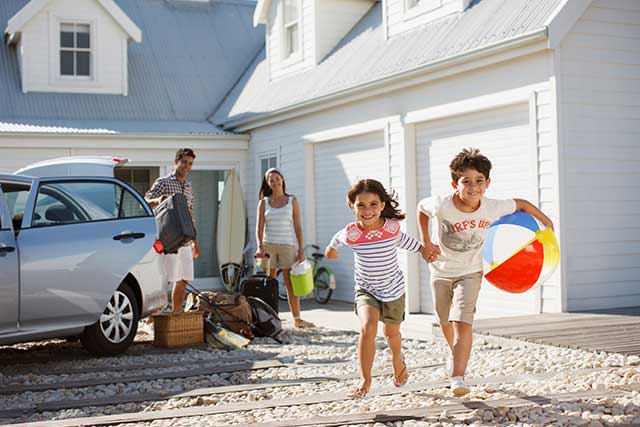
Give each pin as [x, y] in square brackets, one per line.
[40, 71]
[334, 19]
[600, 121]
[278, 66]
[339, 164]
[503, 135]
[400, 19]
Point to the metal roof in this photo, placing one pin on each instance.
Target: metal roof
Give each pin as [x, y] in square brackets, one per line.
[106, 127]
[365, 55]
[191, 55]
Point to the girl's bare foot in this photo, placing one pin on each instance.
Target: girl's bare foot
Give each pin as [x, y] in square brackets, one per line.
[360, 392]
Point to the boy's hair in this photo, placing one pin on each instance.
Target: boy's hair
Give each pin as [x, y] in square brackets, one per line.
[390, 199]
[184, 152]
[469, 158]
[265, 190]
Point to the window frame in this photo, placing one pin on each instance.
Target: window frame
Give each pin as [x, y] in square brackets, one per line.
[60, 81]
[289, 56]
[415, 8]
[75, 50]
[268, 157]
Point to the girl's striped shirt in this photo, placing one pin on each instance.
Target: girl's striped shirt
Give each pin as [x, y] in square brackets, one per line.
[375, 254]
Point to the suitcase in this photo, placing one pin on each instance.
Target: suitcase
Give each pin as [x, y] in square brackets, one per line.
[262, 286]
[175, 226]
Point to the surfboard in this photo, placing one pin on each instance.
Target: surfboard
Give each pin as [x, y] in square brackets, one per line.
[230, 236]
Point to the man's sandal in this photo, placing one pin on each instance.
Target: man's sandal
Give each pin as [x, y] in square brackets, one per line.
[396, 378]
[359, 393]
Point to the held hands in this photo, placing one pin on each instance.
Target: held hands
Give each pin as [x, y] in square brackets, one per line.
[430, 252]
[259, 252]
[195, 249]
[300, 256]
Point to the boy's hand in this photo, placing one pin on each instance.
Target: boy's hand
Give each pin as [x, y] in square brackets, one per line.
[331, 253]
[430, 252]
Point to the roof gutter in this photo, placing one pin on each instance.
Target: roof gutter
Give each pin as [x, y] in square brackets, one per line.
[155, 136]
[359, 91]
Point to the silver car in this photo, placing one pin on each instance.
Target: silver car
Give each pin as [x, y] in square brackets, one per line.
[79, 255]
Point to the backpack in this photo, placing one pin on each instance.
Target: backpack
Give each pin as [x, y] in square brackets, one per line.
[266, 322]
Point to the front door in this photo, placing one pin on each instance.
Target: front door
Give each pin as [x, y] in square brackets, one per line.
[9, 285]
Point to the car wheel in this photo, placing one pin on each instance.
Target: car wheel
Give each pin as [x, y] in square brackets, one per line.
[114, 332]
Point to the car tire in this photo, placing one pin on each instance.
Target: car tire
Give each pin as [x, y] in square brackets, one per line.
[114, 332]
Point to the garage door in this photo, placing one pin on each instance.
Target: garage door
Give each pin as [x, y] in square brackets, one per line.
[503, 135]
[338, 164]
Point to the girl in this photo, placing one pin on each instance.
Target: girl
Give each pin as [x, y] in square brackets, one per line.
[379, 283]
[278, 230]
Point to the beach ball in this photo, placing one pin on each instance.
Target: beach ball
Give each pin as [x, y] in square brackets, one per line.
[517, 254]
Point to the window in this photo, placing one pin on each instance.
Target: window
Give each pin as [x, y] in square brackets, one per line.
[267, 163]
[75, 50]
[16, 198]
[72, 202]
[412, 3]
[291, 27]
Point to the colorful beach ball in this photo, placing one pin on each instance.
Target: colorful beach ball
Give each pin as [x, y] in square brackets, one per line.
[518, 254]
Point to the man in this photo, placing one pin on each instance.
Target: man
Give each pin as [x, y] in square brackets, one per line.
[179, 267]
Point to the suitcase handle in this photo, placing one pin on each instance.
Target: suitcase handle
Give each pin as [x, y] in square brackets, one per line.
[255, 264]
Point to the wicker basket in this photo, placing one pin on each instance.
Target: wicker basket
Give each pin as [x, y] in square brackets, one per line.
[178, 329]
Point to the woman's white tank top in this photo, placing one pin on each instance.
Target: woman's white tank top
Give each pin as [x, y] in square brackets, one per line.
[278, 223]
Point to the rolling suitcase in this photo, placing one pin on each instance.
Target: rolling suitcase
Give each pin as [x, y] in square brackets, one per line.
[175, 226]
[262, 286]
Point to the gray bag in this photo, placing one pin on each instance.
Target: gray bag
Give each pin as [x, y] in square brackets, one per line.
[175, 226]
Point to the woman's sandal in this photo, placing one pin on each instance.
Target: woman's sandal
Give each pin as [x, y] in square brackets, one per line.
[359, 393]
[396, 378]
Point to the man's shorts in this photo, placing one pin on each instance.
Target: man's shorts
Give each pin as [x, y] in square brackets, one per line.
[280, 255]
[179, 266]
[390, 312]
[455, 298]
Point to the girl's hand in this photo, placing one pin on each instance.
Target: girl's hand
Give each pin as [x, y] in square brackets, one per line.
[300, 257]
[259, 252]
[430, 252]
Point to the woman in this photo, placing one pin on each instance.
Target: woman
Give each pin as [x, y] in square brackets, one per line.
[278, 230]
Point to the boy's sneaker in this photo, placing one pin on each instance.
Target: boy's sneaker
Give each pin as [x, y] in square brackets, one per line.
[458, 386]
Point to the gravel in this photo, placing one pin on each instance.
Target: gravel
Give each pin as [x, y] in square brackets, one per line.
[321, 352]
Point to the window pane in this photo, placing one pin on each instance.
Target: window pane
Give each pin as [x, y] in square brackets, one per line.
[292, 39]
[66, 63]
[83, 66]
[131, 207]
[83, 40]
[264, 166]
[66, 39]
[272, 162]
[290, 11]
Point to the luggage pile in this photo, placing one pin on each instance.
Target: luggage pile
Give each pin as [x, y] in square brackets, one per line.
[232, 320]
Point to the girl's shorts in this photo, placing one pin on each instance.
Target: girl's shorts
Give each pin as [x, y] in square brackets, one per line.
[390, 311]
[280, 255]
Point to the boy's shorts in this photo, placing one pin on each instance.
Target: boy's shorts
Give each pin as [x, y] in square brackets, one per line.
[280, 255]
[390, 312]
[455, 298]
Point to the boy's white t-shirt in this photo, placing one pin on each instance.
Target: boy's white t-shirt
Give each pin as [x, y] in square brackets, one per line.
[461, 234]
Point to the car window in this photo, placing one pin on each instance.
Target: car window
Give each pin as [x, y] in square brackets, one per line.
[16, 198]
[70, 202]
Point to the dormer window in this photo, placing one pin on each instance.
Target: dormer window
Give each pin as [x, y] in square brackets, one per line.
[413, 3]
[413, 8]
[291, 21]
[75, 50]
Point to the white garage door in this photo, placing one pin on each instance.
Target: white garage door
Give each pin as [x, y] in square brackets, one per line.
[504, 136]
[338, 164]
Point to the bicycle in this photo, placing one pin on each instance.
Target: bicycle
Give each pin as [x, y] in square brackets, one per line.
[324, 282]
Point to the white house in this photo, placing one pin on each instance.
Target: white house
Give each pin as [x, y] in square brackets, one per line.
[391, 89]
[135, 79]
[331, 91]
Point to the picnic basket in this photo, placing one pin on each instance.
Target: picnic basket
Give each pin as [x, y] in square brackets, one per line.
[178, 329]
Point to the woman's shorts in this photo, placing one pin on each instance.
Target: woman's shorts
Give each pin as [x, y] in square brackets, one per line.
[390, 311]
[455, 298]
[179, 266]
[281, 255]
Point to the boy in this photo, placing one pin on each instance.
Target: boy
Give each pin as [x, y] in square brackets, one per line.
[456, 262]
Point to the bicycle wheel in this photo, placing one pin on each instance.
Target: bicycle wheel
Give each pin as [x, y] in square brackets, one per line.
[282, 289]
[322, 289]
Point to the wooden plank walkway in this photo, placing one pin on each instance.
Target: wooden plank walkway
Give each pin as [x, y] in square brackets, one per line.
[614, 331]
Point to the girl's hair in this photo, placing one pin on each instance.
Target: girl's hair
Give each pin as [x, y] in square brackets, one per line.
[265, 190]
[390, 199]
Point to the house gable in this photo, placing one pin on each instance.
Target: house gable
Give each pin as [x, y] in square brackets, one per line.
[69, 47]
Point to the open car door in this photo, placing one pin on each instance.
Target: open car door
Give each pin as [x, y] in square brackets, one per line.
[9, 277]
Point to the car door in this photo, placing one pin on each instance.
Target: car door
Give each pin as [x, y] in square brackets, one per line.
[9, 265]
[85, 235]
